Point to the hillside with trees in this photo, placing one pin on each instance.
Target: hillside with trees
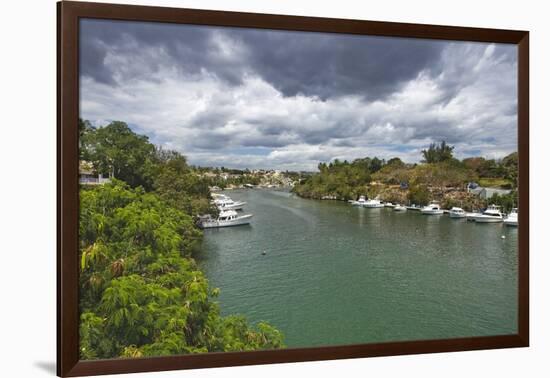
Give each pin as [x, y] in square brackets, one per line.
[439, 176]
[141, 292]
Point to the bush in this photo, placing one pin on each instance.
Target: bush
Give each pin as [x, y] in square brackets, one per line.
[419, 195]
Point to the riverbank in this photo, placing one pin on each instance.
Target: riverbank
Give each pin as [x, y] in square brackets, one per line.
[451, 182]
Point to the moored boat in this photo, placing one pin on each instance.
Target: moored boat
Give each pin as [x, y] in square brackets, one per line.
[389, 204]
[225, 219]
[399, 208]
[491, 215]
[471, 217]
[360, 202]
[227, 203]
[373, 203]
[457, 212]
[432, 209]
[512, 218]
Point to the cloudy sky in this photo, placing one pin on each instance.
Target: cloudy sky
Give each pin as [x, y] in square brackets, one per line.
[288, 100]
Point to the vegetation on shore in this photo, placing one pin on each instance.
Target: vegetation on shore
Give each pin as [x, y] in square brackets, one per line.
[439, 176]
[141, 292]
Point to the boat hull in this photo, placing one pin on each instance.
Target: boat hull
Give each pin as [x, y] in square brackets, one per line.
[457, 215]
[511, 223]
[232, 206]
[241, 221]
[432, 212]
[487, 219]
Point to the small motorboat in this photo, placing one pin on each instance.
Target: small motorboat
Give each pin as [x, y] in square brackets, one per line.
[389, 204]
[512, 218]
[491, 215]
[399, 208]
[226, 203]
[373, 203]
[225, 219]
[432, 209]
[457, 212]
[360, 202]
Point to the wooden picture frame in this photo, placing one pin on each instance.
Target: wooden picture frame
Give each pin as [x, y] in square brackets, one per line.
[69, 13]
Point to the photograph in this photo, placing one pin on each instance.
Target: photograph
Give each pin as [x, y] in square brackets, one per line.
[247, 189]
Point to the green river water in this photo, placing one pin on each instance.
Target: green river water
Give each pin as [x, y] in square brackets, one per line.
[334, 274]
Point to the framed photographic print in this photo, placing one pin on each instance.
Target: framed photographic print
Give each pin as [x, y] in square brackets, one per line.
[239, 188]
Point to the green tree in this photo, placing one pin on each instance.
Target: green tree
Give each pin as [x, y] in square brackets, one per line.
[115, 150]
[180, 186]
[507, 201]
[438, 152]
[341, 179]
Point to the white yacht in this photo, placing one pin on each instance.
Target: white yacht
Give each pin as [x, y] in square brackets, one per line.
[491, 215]
[399, 208]
[471, 217]
[432, 209]
[389, 204]
[225, 219]
[512, 218]
[373, 203]
[228, 204]
[457, 212]
[360, 202]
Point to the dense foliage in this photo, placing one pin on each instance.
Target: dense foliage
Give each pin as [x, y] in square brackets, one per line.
[141, 292]
[180, 185]
[342, 179]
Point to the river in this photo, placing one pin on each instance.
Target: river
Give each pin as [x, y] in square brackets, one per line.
[333, 274]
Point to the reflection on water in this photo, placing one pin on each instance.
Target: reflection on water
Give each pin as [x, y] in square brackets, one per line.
[334, 274]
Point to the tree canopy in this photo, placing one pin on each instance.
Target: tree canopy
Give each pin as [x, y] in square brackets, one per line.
[141, 292]
[341, 179]
[116, 151]
[437, 153]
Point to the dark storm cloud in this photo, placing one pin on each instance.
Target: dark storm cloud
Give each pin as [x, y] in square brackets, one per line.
[184, 45]
[312, 64]
[326, 65]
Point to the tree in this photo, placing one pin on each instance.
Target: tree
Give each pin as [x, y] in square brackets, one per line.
[506, 201]
[115, 150]
[375, 165]
[510, 164]
[395, 162]
[180, 186]
[438, 153]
